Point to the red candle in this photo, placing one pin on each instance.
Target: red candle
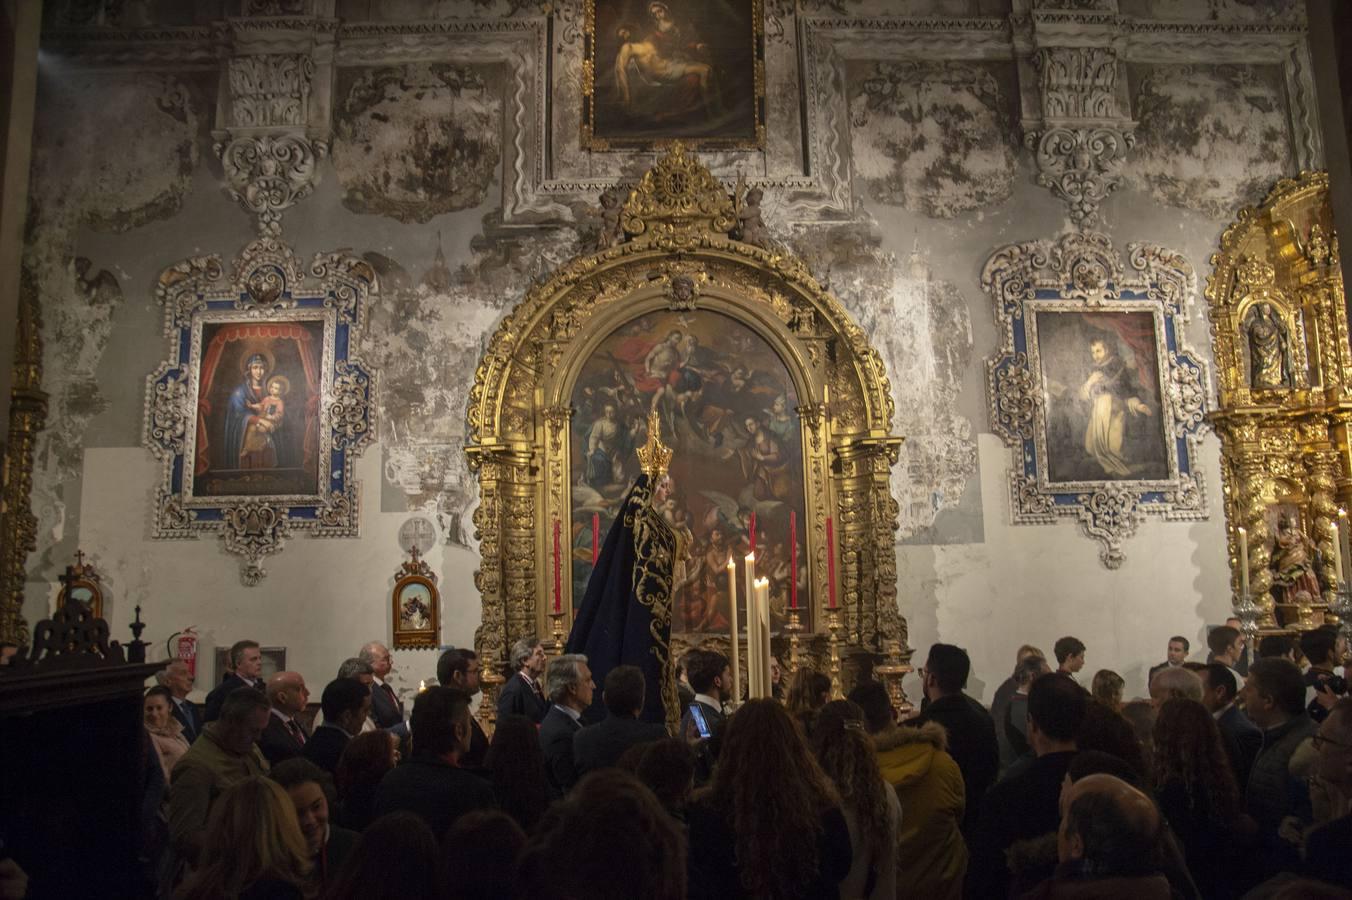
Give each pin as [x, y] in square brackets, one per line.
[831, 561]
[793, 559]
[558, 569]
[752, 525]
[596, 537]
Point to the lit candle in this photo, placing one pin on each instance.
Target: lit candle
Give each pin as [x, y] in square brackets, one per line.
[422, 685]
[793, 559]
[1338, 547]
[732, 617]
[596, 537]
[1243, 564]
[763, 635]
[752, 525]
[753, 662]
[831, 561]
[558, 567]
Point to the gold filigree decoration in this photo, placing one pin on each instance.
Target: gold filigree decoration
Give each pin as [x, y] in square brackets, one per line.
[677, 201]
[1279, 336]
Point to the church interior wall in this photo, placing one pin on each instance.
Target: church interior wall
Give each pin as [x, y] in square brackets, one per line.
[895, 164]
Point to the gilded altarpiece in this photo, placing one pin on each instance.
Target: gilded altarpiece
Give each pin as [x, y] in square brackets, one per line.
[674, 255]
[1280, 338]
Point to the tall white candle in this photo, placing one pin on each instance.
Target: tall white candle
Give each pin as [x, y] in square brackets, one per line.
[763, 633]
[1337, 547]
[732, 617]
[1243, 564]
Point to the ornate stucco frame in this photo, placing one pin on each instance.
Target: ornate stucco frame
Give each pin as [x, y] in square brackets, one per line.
[1082, 272]
[678, 255]
[1283, 444]
[267, 284]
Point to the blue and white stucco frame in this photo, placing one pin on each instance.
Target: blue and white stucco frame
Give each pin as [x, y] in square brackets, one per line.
[266, 284]
[1082, 272]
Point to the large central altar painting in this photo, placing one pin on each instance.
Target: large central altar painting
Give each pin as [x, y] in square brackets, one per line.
[727, 407]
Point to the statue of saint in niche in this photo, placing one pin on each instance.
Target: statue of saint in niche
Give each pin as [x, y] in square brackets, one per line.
[1294, 557]
[1269, 349]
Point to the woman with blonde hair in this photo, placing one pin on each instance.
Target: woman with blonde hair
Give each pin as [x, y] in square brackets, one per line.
[871, 808]
[1107, 688]
[254, 849]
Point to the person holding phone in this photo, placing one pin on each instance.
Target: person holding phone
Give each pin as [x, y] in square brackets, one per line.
[711, 679]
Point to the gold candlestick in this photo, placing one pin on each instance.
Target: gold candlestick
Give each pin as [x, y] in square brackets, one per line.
[558, 632]
[794, 628]
[833, 643]
[892, 672]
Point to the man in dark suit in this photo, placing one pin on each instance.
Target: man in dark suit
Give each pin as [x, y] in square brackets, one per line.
[432, 783]
[601, 745]
[1175, 656]
[386, 708]
[178, 678]
[459, 668]
[711, 679]
[345, 703]
[246, 660]
[1242, 738]
[522, 695]
[285, 738]
[971, 730]
[1027, 804]
[568, 683]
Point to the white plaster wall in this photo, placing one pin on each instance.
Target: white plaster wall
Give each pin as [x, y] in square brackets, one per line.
[321, 599]
[1036, 583]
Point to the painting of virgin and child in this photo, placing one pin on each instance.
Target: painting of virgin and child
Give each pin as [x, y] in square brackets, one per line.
[726, 405]
[258, 409]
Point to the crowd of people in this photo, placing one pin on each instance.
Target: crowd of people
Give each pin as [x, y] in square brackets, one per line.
[1233, 779]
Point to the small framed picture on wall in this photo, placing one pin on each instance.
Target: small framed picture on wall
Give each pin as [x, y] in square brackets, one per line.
[416, 605]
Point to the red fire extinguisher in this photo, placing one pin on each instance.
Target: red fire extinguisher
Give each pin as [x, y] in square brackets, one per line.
[185, 648]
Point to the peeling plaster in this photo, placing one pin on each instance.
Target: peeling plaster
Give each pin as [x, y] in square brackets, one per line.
[934, 137]
[922, 328]
[1212, 138]
[416, 141]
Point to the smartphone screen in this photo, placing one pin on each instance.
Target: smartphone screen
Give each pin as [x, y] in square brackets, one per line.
[701, 723]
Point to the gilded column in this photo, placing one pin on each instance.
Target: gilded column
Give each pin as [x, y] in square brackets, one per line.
[490, 638]
[1322, 466]
[18, 525]
[1253, 518]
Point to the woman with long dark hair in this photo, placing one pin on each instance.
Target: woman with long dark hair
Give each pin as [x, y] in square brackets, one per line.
[808, 692]
[365, 760]
[848, 757]
[769, 825]
[1196, 790]
[517, 768]
[397, 858]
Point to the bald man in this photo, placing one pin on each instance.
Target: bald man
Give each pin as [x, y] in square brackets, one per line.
[1107, 845]
[1174, 682]
[285, 737]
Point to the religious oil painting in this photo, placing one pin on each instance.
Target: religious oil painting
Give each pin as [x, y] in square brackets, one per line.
[1094, 388]
[726, 404]
[1101, 376]
[416, 611]
[258, 409]
[661, 70]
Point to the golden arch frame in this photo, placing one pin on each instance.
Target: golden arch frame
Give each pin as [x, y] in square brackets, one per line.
[679, 255]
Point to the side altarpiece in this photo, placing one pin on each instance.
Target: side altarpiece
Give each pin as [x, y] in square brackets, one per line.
[681, 245]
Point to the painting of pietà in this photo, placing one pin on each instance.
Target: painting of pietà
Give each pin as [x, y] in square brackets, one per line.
[1104, 418]
[258, 409]
[666, 69]
[727, 407]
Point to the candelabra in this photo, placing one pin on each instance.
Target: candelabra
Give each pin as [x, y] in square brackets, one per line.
[892, 671]
[794, 628]
[833, 645]
[557, 616]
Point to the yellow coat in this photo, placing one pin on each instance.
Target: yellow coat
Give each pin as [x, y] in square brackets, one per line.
[931, 854]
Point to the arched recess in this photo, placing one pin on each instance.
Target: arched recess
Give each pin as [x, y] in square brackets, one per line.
[672, 250]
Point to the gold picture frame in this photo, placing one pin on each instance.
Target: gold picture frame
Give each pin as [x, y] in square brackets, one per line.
[81, 582]
[415, 605]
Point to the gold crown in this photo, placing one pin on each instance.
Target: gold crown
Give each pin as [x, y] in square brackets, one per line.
[654, 456]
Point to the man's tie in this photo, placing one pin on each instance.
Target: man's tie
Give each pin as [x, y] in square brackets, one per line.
[394, 698]
[296, 731]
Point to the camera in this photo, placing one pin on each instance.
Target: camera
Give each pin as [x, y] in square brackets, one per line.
[1334, 684]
